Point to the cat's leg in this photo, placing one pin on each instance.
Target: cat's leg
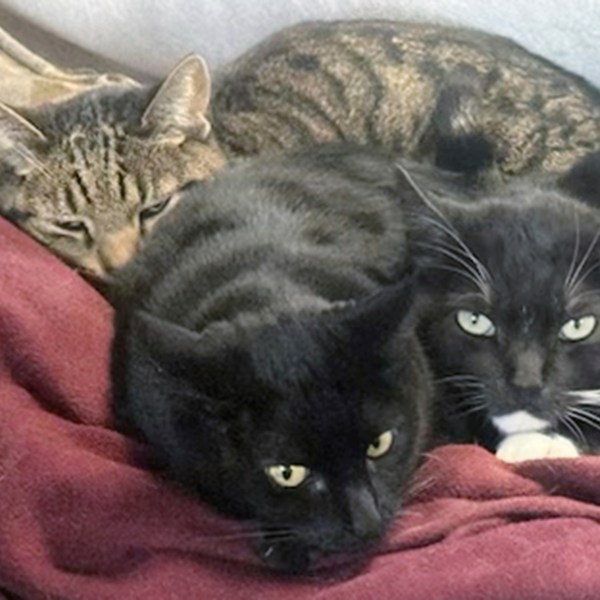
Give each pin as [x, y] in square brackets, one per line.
[531, 445]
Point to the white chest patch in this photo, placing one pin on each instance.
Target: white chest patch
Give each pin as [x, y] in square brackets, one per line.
[519, 422]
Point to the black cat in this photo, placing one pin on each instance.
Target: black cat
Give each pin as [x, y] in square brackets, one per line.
[265, 349]
[510, 310]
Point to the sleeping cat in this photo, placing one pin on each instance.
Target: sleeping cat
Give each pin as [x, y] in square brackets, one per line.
[466, 100]
[264, 349]
[510, 321]
[90, 176]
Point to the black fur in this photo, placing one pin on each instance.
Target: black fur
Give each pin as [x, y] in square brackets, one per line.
[268, 323]
[527, 258]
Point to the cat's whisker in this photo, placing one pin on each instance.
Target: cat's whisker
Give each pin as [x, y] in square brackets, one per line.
[451, 378]
[471, 404]
[591, 397]
[418, 487]
[446, 227]
[481, 284]
[484, 292]
[582, 279]
[567, 283]
[580, 414]
[575, 279]
[572, 426]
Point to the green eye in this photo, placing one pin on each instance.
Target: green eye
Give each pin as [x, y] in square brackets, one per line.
[575, 330]
[475, 323]
[155, 209]
[289, 476]
[380, 445]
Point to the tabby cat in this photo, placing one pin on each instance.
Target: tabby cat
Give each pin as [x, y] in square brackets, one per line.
[265, 350]
[510, 305]
[89, 177]
[466, 100]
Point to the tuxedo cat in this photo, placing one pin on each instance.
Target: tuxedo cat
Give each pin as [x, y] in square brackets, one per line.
[510, 310]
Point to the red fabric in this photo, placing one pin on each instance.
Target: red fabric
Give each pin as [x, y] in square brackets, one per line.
[81, 519]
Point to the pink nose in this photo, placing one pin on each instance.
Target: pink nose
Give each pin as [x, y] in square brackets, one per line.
[115, 249]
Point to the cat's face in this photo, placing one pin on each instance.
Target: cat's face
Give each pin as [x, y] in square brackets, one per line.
[312, 434]
[515, 302]
[90, 177]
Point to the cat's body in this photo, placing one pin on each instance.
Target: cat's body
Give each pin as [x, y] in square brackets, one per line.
[510, 321]
[264, 350]
[88, 177]
[461, 98]
[91, 176]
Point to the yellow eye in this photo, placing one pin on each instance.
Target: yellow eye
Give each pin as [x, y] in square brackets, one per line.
[380, 445]
[575, 330]
[289, 476]
[475, 323]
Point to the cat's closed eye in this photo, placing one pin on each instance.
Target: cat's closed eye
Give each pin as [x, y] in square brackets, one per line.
[155, 209]
[74, 228]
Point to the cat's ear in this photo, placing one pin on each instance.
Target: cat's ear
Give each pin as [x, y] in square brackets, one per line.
[368, 322]
[582, 181]
[177, 110]
[205, 363]
[19, 141]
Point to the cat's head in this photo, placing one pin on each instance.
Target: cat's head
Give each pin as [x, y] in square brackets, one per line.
[513, 311]
[309, 426]
[89, 177]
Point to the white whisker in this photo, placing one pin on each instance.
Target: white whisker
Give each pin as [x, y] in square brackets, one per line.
[572, 426]
[575, 280]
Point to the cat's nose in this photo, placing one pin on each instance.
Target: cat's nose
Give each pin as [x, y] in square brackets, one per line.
[528, 369]
[115, 249]
[365, 518]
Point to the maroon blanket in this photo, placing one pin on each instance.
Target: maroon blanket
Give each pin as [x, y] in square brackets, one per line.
[80, 518]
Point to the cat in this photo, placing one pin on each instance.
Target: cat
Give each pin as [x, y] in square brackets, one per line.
[265, 350]
[509, 297]
[465, 100]
[90, 176]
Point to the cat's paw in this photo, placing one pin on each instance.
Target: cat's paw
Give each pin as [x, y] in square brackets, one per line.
[532, 445]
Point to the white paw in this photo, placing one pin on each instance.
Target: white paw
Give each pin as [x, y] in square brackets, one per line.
[529, 446]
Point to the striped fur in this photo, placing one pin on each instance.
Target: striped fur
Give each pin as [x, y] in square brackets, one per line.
[88, 177]
[463, 99]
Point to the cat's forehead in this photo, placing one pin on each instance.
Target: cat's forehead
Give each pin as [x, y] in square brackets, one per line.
[535, 251]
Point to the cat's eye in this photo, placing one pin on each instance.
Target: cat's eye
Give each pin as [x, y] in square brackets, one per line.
[475, 323]
[289, 476]
[155, 209]
[576, 330]
[380, 445]
[72, 226]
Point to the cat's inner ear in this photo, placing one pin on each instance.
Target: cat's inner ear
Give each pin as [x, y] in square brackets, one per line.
[178, 109]
[583, 180]
[20, 141]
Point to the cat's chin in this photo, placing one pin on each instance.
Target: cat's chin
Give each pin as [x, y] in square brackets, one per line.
[532, 445]
[289, 556]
